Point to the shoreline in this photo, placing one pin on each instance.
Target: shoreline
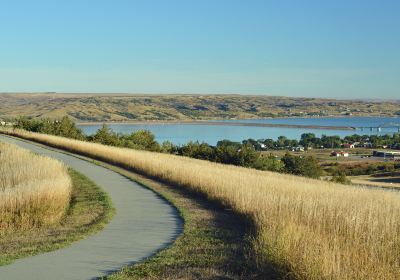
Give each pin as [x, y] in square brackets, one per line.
[218, 123]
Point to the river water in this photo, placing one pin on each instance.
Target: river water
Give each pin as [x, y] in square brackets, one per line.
[183, 133]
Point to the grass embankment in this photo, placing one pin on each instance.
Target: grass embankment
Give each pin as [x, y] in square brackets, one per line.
[214, 243]
[312, 228]
[86, 212]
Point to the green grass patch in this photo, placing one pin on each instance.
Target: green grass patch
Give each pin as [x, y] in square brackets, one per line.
[89, 211]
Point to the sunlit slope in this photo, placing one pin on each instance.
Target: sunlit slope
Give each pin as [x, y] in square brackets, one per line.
[86, 107]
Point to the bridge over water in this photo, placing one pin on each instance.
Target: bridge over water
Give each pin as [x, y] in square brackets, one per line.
[391, 125]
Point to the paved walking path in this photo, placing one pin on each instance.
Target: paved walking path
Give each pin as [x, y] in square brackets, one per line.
[143, 224]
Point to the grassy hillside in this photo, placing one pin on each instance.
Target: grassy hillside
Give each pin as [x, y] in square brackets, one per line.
[312, 228]
[86, 107]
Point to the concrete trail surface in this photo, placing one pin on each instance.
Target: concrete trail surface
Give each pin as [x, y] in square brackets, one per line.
[143, 224]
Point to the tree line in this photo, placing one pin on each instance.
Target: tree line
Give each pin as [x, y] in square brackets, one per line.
[227, 152]
[246, 153]
[310, 140]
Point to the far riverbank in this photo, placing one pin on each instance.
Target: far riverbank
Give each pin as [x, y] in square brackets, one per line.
[220, 123]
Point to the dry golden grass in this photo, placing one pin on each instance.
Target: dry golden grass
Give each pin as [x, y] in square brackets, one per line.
[34, 190]
[316, 229]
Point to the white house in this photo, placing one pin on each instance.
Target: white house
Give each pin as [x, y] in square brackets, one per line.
[340, 154]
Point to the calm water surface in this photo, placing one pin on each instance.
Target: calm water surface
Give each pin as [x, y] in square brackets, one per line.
[338, 121]
[183, 133]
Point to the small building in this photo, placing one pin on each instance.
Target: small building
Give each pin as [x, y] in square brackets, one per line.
[382, 146]
[395, 146]
[298, 149]
[340, 154]
[348, 146]
[386, 154]
[366, 145]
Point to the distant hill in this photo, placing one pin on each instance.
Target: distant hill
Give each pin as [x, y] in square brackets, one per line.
[92, 107]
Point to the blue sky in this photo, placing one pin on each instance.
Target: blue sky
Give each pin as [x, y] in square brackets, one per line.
[332, 48]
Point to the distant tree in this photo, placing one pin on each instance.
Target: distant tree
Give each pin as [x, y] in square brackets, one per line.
[256, 144]
[291, 143]
[269, 144]
[198, 150]
[106, 136]
[228, 143]
[48, 126]
[227, 153]
[270, 163]
[353, 138]
[281, 142]
[169, 148]
[247, 155]
[305, 166]
[290, 163]
[340, 177]
[28, 124]
[141, 140]
[66, 128]
[331, 141]
[307, 139]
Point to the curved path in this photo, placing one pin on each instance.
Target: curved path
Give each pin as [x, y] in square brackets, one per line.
[143, 224]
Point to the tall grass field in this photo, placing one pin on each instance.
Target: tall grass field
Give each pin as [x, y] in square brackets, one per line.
[312, 228]
[34, 190]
